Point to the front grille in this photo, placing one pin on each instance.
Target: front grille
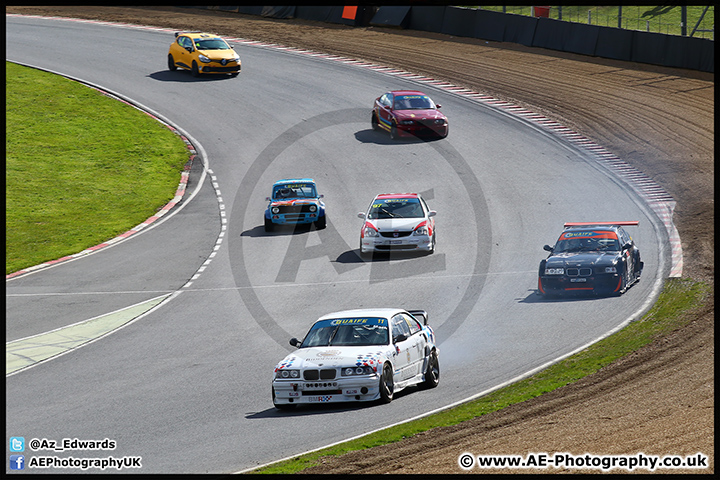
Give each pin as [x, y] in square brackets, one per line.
[395, 234]
[396, 247]
[431, 123]
[581, 272]
[211, 69]
[324, 374]
[294, 208]
[322, 392]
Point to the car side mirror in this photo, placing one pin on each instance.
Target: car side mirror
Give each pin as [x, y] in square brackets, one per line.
[189, 49]
[438, 105]
[267, 199]
[627, 246]
[321, 196]
[432, 213]
[548, 248]
[401, 337]
[294, 342]
[361, 215]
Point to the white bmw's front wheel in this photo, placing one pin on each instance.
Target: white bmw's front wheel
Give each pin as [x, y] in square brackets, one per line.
[387, 384]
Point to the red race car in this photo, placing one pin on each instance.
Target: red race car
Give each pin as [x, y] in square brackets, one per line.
[408, 113]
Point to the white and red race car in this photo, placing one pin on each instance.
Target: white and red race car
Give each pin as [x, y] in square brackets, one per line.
[397, 221]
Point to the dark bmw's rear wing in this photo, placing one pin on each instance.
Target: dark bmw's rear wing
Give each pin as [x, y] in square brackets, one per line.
[631, 223]
[420, 315]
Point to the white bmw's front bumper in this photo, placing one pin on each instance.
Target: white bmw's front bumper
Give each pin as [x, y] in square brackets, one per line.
[351, 389]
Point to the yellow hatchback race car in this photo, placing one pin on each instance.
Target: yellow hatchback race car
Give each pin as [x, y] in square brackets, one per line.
[202, 53]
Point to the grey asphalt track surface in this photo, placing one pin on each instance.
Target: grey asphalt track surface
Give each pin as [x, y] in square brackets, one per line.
[187, 386]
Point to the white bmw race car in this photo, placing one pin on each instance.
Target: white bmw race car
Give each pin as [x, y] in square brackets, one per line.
[358, 355]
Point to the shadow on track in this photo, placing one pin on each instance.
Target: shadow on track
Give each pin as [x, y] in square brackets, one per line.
[186, 76]
[382, 138]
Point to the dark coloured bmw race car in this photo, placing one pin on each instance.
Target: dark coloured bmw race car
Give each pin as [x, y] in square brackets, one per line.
[408, 113]
[591, 257]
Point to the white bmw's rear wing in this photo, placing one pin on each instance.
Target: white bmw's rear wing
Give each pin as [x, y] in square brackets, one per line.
[630, 223]
[421, 315]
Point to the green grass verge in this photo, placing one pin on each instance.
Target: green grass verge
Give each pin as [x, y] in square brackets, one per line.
[679, 297]
[81, 168]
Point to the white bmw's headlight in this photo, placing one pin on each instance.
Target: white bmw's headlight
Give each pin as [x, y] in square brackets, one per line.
[203, 58]
[554, 271]
[350, 371]
[286, 374]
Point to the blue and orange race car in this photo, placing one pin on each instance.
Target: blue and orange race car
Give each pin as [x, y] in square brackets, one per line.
[591, 257]
[295, 202]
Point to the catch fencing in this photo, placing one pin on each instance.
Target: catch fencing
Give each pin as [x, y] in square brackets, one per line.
[685, 20]
[680, 51]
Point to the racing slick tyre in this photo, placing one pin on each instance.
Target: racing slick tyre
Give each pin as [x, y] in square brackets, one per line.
[374, 122]
[387, 384]
[321, 222]
[637, 270]
[281, 406]
[269, 225]
[432, 372]
[625, 280]
[394, 132]
[195, 72]
[171, 63]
